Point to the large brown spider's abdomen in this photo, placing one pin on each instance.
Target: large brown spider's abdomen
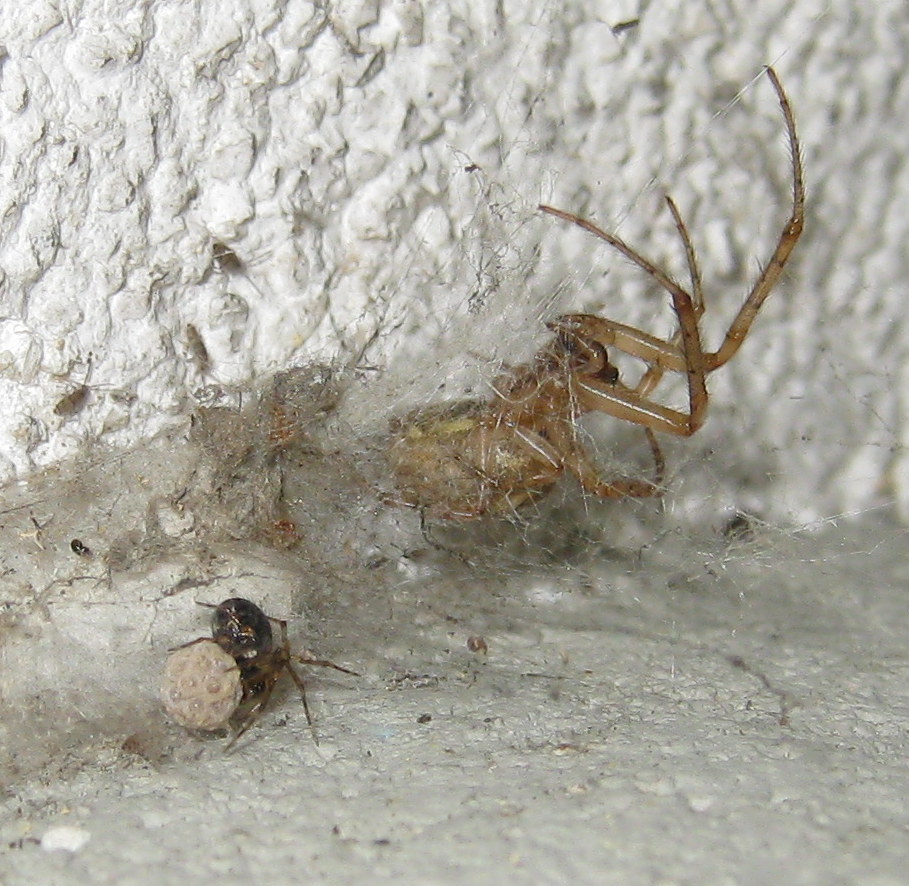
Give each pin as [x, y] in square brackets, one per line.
[458, 460]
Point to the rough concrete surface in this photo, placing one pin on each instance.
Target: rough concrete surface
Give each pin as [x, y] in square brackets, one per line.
[684, 706]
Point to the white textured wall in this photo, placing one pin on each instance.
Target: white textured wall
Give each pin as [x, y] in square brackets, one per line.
[328, 146]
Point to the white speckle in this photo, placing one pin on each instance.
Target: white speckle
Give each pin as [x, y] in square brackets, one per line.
[66, 837]
[544, 592]
[700, 803]
[175, 523]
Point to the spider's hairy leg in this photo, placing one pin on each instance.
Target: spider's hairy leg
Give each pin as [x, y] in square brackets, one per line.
[324, 663]
[650, 348]
[596, 394]
[301, 687]
[792, 230]
[578, 462]
[253, 714]
[684, 353]
[298, 680]
[651, 378]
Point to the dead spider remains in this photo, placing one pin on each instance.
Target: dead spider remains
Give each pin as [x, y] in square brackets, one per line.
[207, 680]
[464, 459]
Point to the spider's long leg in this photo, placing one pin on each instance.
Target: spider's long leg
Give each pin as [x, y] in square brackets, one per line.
[614, 398]
[324, 663]
[694, 271]
[791, 233]
[603, 395]
[253, 715]
[659, 463]
[298, 680]
[651, 378]
[576, 460]
[687, 317]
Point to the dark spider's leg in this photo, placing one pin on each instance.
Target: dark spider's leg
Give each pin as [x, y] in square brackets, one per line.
[323, 663]
[302, 687]
[254, 713]
[298, 680]
[438, 546]
[317, 662]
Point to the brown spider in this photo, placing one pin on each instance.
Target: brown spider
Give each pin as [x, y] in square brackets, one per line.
[243, 631]
[468, 458]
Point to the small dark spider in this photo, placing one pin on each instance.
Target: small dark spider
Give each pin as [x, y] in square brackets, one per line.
[244, 632]
[79, 548]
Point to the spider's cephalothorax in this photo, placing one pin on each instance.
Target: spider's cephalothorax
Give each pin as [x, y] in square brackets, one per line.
[472, 457]
[242, 630]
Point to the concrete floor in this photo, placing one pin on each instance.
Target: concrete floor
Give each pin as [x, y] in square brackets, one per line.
[684, 707]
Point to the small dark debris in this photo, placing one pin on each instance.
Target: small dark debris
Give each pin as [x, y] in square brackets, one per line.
[424, 718]
[622, 27]
[411, 680]
[739, 527]
[477, 644]
[197, 351]
[373, 69]
[224, 259]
